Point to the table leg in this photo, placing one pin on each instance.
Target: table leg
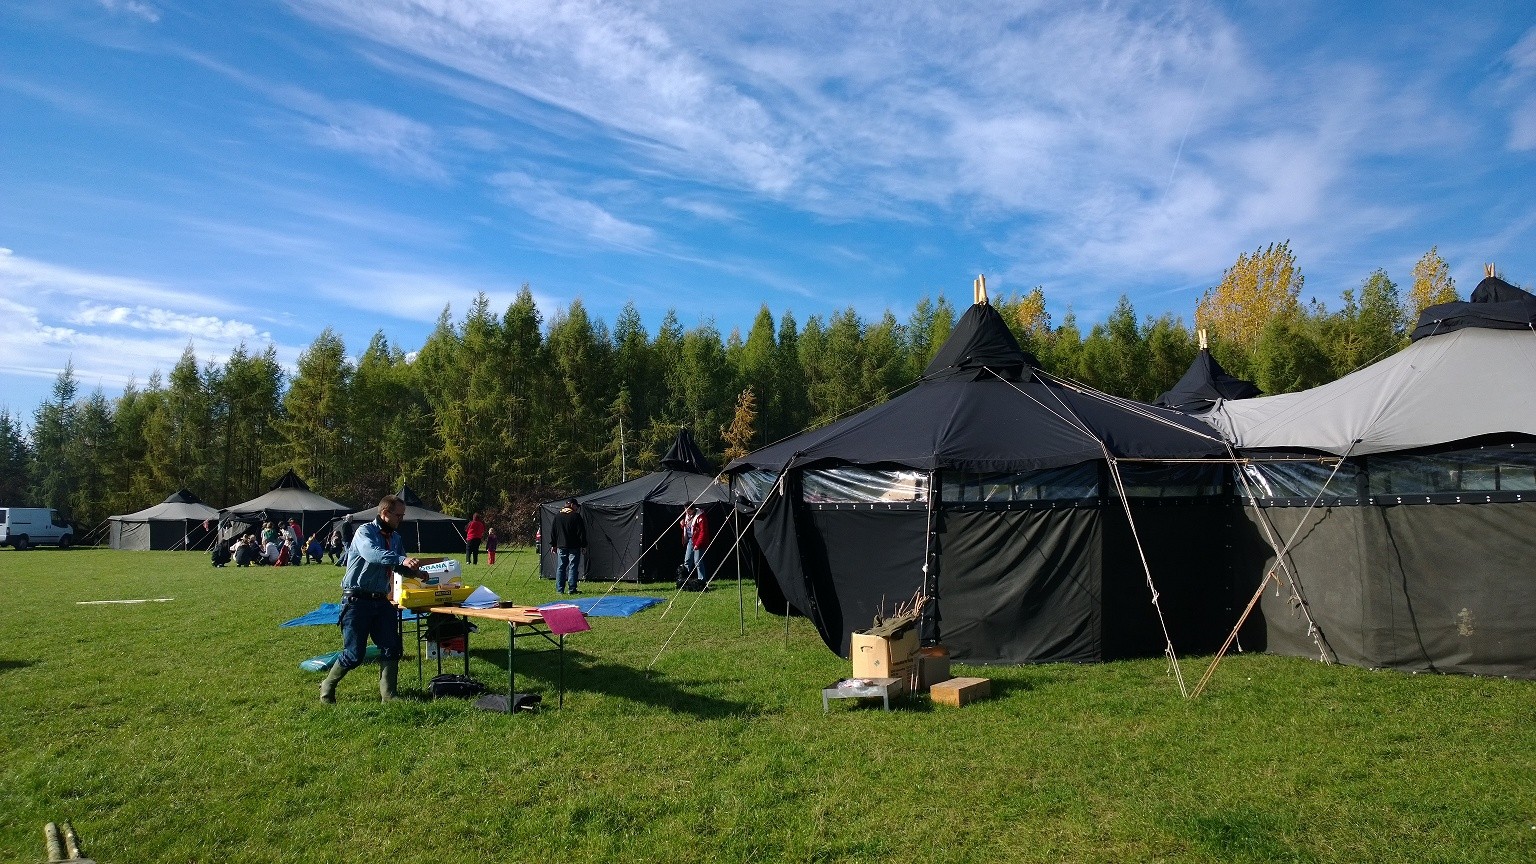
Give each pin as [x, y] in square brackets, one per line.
[562, 670]
[511, 652]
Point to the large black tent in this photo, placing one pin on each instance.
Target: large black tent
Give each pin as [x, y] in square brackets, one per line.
[422, 529]
[1407, 494]
[288, 498]
[632, 528]
[990, 487]
[178, 522]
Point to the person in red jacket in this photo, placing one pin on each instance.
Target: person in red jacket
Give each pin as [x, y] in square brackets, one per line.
[695, 538]
[474, 532]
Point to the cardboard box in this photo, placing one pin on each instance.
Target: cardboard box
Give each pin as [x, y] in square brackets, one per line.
[883, 656]
[430, 589]
[931, 668]
[960, 691]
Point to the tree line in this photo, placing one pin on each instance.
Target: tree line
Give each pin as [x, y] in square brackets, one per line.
[499, 410]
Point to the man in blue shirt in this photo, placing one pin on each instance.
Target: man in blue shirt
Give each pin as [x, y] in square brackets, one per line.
[366, 611]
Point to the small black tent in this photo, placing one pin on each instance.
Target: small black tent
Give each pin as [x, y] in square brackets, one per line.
[987, 487]
[175, 523]
[1204, 384]
[423, 529]
[288, 498]
[632, 528]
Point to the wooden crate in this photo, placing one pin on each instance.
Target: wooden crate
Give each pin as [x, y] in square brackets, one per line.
[960, 691]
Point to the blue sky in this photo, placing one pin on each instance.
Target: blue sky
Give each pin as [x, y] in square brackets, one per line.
[213, 173]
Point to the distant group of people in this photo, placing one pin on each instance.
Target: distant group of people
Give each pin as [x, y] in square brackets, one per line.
[568, 539]
[280, 544]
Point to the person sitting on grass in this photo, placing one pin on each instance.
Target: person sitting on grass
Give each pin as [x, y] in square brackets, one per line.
[245, 551]
[314, 550]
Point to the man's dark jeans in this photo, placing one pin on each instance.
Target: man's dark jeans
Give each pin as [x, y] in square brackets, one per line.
[570, 562]
[363, 618]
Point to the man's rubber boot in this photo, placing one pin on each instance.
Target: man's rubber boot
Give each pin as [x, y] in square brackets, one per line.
[389, 673]
[328, 686]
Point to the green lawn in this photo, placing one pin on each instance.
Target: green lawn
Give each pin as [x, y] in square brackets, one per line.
[184, 731]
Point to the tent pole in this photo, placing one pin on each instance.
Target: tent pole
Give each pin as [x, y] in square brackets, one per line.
[929, 629]
[741, 597]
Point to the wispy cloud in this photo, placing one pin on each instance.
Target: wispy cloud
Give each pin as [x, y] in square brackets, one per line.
[545, 200]
[132, 7]
[113, 329]
[1520, 83]
[391, 141]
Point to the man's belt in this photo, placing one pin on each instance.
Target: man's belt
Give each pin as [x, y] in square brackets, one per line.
[355, 594]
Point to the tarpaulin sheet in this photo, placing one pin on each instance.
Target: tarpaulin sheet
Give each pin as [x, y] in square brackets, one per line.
[612, 606]
[329, 613]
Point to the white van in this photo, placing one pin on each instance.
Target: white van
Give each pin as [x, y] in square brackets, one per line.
[21, 527]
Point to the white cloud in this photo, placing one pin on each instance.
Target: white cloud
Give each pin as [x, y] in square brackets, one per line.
[132, 7]
[1521, 80]
[165, 321]
[391, 141]
[113, 329]
[543, 199]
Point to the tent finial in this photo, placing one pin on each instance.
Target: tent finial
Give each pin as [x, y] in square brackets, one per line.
[1203, 344]
[1490, 270]
[979, 290]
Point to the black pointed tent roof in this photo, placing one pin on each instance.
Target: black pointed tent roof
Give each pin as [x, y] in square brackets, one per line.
[415, 510]
[1203, 384]
[289, 480]
[980, 346]
[685, 455]
[1495, 305]
[182, 496]
[288, 495]
[178, 506]
[979, 409]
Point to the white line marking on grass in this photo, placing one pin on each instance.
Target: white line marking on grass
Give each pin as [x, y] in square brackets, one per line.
[104, 602]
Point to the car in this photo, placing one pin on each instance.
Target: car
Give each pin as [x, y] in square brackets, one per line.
[23, 527]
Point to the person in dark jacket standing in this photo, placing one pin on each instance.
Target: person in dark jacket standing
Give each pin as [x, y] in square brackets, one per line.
[568, 537]
[377, 551]
[474, 532]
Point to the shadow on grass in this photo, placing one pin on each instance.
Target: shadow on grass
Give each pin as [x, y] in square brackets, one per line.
[611, 679]
[13, 665]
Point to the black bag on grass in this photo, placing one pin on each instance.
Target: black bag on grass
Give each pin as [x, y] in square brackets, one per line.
[461, 686]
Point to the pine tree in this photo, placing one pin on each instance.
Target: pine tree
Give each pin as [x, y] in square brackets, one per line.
[315, 429]
[757, 371]
[54, 425]
[15, 460]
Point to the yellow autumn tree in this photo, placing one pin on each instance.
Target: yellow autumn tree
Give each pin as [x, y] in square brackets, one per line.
[1256, 290]
[1432, 283]
[738, 435]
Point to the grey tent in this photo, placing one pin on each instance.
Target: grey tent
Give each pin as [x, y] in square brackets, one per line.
[178, 522]
[288, 498]
[632, 528]
[1420, 550]
[423, 529]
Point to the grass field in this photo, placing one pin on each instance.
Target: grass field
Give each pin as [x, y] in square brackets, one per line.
[184, 731]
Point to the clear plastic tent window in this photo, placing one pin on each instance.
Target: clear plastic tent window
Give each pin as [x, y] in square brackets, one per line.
[1300, 479]
[1051, 484]
[755, 485]
[1483, 470]
[1181, 480]
[863, 486]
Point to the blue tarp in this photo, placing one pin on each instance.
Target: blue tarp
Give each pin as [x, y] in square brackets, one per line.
[324, 661]
[328, 613]
[613, 606]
